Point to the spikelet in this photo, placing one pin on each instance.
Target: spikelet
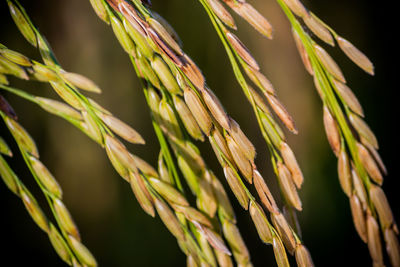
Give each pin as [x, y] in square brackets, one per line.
[297, 7]
[348, 97]
[302, 50]
[319, 29]
[363, 130]
[252, 16]
[369, 164]
[260, 221]
[288, 187]
[344, 172]
[164, 34]
[34, 210]
[122, 129]
[45, 177]
[22, 136]
[382, 206]
[22, 23]
[291, 163]
[169, 219]
[355, 55]
[58, 108]
[164, 74]
[280, 254]
[82, 252]
[187, 118]
[242, 51]
[285, 232]
[358, 217]
[15, 57]
[222, 13]
[242, 141]
[198, 110]
[236, 186]
[81, 82]
[329, 63]
[264, 193]
[100, 10]
[332, 131]
[240, 159]
[392, 247]
[216, 108]
[374, 240]
[303, 257]
[168, 192]
[141, 193]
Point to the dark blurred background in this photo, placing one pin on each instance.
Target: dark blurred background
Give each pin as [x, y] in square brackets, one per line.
[111, 222]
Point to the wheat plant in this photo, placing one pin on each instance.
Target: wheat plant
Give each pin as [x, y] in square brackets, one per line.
[183, 190]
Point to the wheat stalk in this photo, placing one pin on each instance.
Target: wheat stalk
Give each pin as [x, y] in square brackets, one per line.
[67, 244]
[119, 156]
[187, 77]
[360, 167]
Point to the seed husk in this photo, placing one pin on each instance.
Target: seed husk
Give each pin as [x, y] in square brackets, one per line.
[329, 63]
[222, 13]
[190, 175]
[252, 16]
[198, 110]
[297, 7]
[164, 74]
[22, 136]
[358, 217]
[169, 219]
[271, 130]
[235, 240]
[382, 206]
[8, 176]
[223, 259]
[303, 257]
[242, 141]
[216, 108]
[22, 24]
[122, 36]
[206, 200]
[359, 187]
[240, 159]
[45, 177]
[282, 113]
[291, 163]
[82, 252]
[163, 171]
[8, 67]
[349, 98]
[122, 129]
[100, 10]
[136, 32]
[192, 214]
[302, 50]
[141, 193]
[355, 55]
[58, 108]
[279, 252]
[332, 131]
[284, 230]
[236, 186]
[4, 149]
[363, 130]
[208, 254]
[374, 240]
[260, 80]
[264, 193]
[164, 34]
[221, 143]
[81, 82]
[67, 95]
[168, 192]
[242, 51]
[261, 222]
[169, 120]
[392, 247]
[15, 57]
[92, 128]
[315, 25]
[167, 27]
[344, 172]
[59, 244]
[65, 218]
[376, 156]
[34, 210]
[187, 118]
[224, 207]
[145, 167]
[115, 148]
[260, 100]
[369, 164]
[192, 72]
[288, 187]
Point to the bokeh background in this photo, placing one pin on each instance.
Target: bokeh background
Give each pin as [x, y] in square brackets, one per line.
[111, 222]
